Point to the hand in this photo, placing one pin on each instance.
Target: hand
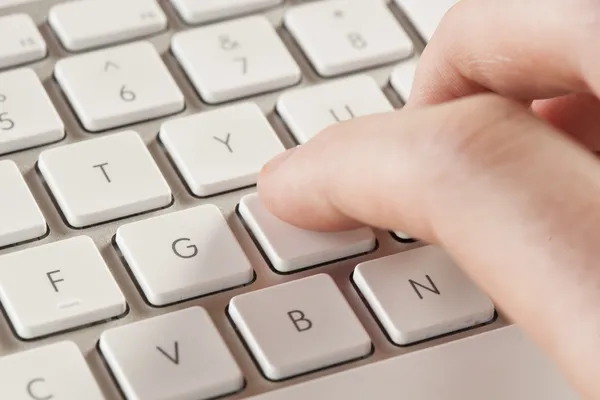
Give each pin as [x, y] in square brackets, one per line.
[491, 159]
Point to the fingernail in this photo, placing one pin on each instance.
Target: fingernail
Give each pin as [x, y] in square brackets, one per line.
[277, 160]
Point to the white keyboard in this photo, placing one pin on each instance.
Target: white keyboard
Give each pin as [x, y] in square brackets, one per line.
[136, 260]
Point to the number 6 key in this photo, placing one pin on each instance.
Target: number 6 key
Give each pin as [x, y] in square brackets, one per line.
[119, 86]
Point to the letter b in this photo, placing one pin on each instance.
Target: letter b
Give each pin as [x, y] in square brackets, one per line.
[301, 323]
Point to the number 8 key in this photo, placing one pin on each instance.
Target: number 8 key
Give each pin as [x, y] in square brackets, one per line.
[347, 36]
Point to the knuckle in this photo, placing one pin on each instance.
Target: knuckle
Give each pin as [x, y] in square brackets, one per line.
[481, 135]
[475, 124]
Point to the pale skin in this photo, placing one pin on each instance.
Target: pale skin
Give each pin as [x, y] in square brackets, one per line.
[493, 158]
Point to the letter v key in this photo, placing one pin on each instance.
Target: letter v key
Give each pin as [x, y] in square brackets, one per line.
[173, 358]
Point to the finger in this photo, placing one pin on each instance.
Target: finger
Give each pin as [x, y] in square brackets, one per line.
[513, 49]
[513, 201]
[578, 114]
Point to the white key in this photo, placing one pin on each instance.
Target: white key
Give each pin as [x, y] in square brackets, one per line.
[27, 116]
[197, 12]
[235, 59]
[84, 24]
[501, 364]
[58, 286]
[420, 294]
[425, 15]
[119, 86]
[307, 111]
[20, 217]
[104, 179]
[289, 248]
[402, 78]
[21, 41]
[340, 36]
[175, 356]
[11, 3]
[56, 371]
[402, 236]
[299, 326]
[197, 243]
[221, 150]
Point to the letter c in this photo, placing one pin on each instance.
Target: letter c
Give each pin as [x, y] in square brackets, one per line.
[192, 247]
[37, 396]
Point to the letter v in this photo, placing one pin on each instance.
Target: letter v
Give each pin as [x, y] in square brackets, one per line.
[175, 358]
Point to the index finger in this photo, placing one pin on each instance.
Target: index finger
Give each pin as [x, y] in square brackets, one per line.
[515, 203]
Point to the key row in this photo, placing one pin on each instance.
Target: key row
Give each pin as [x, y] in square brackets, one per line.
[224, 61]
[87, 24]
[126, 88]
[214, 151]
[131, 84]
[291, 329]
[337, 36]
[197, 242]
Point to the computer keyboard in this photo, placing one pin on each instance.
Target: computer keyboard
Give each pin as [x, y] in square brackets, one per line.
[136, 260]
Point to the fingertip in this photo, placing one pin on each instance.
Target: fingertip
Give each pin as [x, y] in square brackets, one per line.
[277, 184]
[288, 188]
[276, 161]
[269, 186]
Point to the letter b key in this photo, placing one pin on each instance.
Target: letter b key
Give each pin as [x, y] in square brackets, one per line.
[299, 326]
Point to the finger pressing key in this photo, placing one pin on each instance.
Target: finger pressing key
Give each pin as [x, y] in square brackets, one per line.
[514, 202]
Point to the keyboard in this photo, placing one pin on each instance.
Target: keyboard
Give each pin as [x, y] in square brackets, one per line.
[136, 261]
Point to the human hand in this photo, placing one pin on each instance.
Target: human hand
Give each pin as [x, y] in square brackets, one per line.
[491, 159]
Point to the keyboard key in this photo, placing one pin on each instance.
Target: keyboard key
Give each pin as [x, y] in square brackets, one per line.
[119, 86]
[501, 364]
[27, 116]
[21, 41]
[104, 179]
[425, 15]
[290, 249]
[56, 371]
[10, 3]
[235, 59]
[197, 12]
[197, 243]
[179, 355]
[20, 217]
[307, 111]
[221, 150]
[85, 24]
[58, 286]
[403, 237]
[402, 79]
[420, 294]
[340, 36]
[299, 326]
